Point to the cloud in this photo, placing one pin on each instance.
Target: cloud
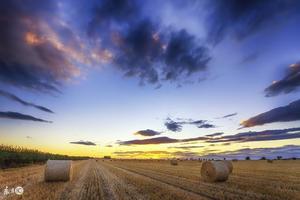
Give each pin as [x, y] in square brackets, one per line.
[242, 19]
[38, 49]
[206, 126]
[215, 134]
[41, 48]
[266, 135]
[186, 147]
[173, 126]
[146, 49]
[287, 151]
[176, 126]
[140, 153]
[81, 142]
[290, 112]
[20, 116]
[25, 103]
[229, 115]
[289, 83]
[184, 56]
[147, 132]
[157, 140]
[226, 144]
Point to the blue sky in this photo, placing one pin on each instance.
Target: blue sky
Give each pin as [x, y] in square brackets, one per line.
[109, 69]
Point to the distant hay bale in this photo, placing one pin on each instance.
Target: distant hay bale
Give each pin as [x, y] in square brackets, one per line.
[229, 165]
[270, 161]
[214, 171]
[58, 170]
[173, 162]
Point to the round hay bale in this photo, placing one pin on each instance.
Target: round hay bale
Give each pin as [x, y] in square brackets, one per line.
[229, 165]
[270, 161]
[214, 171]
[173, 162]
[58, 170]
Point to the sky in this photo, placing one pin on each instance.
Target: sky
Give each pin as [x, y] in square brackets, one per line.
[151, 79]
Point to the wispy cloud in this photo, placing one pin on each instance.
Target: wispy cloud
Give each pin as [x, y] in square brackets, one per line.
[147, 133]
[215, 134]
[157, 140]
[20, 116]
[186, 147]
[241, 20]
[289, 83]
[34, 54]
[290, 112]
[267, 135]
[81, 142]
[288, 151]
[229, 115]
[23, 102]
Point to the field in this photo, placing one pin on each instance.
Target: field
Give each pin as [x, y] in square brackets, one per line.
[152, 179]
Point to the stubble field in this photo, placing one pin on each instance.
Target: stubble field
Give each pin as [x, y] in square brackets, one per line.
[152, 179]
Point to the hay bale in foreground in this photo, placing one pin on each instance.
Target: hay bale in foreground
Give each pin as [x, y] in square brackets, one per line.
[214, 171]
[58, 170]
[270, 161]
[173, 162]
[229, 165]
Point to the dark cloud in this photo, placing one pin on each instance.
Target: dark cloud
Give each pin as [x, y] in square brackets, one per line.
[226, 144]
[206, 126]
[290, 112]
[215, 134]
[25, 103]
[139, 153]
[147, 132]
[157, 140]
[186, 147]
[267, 135]
[81, 142]
[145, 49]
[32, 52]
[287, 151]
[184, 56]
[20, 116]
[289, 83]
[229, 115]
[173, 126]
[176, 126]
[140, 52]
[244, 18]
